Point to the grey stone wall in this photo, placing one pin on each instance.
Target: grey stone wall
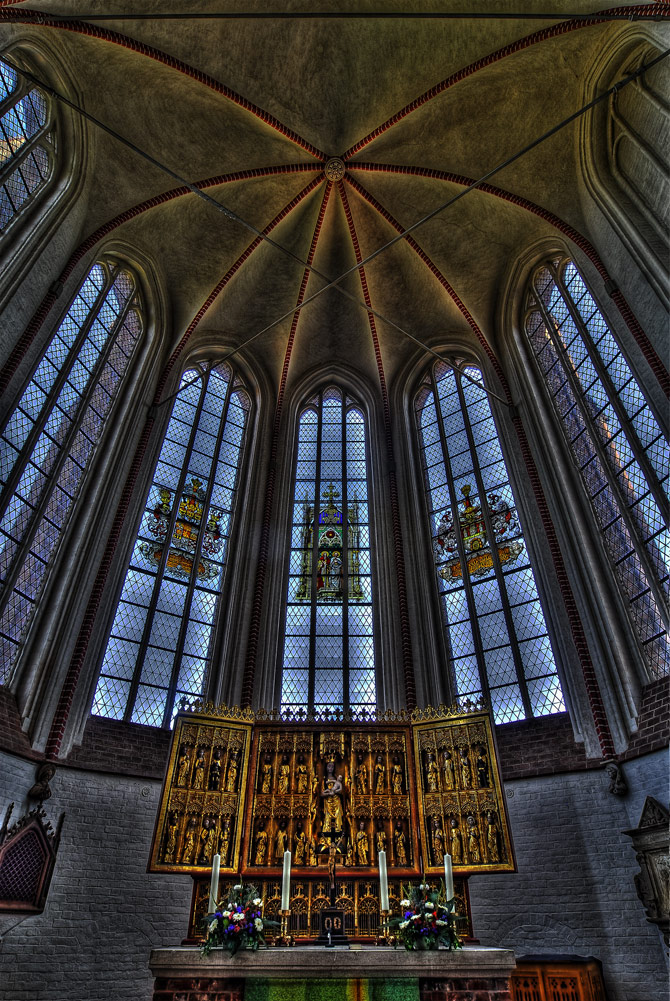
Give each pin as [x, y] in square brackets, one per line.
[573, 893]
[104, 912]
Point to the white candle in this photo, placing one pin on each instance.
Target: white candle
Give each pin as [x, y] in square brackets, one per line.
[214, 883]
[383, 882]
[286, 883]
[448, 877]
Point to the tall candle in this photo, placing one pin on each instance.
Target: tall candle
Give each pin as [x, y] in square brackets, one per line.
[286, 883]
[383, 882]
[214, 883]
[448, 877]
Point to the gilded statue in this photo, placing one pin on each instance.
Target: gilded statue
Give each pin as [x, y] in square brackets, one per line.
[362, 845]
[233, 765]
[333, 811]
[380, 840]
[361, 776]
[199, 770]
[284, 775]
[261, 845]
[350, 853]
[380, 775]
[302, 776]
[432, 773]
[207, 841]
[448, 773]
[299, 845]
[188, 848]
[224, 847]
[266, 775]
[281, 843]
[492, 837]
[184, 767]
[173, 832]
[466, 771]
[400, 845]
[215, 771]
[473, 840]
[482, 767]
[396, 777]
[437, 841]
[312, 852]
[456, 842]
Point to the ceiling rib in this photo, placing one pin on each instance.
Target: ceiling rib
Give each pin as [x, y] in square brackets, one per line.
[396, 525]
[38, 18]
[251, 655]
[652, 11]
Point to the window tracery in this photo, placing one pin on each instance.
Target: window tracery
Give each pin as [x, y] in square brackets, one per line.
[49, 439]
[329, 656]
[159, 648]
[615, 439]
[27, 143]
[498, 645]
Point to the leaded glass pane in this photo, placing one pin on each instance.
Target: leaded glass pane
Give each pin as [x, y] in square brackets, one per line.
[489, 597]
[50, 438]
[176, 568]
[329, 584]
[615, 438]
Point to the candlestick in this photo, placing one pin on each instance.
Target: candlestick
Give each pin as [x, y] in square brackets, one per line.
[214, 884]
[383, 882]
[286, 883]
[448, 877]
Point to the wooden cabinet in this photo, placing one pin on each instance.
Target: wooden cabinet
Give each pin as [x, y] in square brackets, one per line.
[557, 978]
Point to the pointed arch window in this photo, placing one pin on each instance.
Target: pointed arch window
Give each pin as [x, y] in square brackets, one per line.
[615, 439]
[27, 143]
[160, 645]
[49, 439]
[329, 656]
[497, 639]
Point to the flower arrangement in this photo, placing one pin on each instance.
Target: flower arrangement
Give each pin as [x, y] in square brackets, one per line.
[238, 923]
[427, 920]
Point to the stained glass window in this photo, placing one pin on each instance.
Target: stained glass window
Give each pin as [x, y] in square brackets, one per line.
[499, 649]
[159, 649]
[616, 443]
[26, 143]
[48, 441]
[329, 657]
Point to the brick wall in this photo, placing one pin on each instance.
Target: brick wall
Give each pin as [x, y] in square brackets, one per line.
[122, 748]
[653, 721]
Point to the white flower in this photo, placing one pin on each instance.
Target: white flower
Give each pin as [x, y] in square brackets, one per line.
[238, 917]
[441, 924]
[212, 925]
[238, 886]
[258, 924]
[257, 901]
[403, 924]
[417, 917]
[230, 906]
[429, 906]
[404, 903]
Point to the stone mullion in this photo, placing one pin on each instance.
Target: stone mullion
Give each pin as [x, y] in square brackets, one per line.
[346, 696]
[311, 678]
[615, 402]
[599, 450]
[160, 569]
[460, 545]
[497, 568]
[190, 587]
[63, 449]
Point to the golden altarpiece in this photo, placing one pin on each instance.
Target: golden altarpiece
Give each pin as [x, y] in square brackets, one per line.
[250, 785]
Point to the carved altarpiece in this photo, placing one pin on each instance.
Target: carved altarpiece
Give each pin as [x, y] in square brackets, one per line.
[416, 785]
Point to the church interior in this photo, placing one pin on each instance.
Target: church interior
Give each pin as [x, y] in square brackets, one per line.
[334, 393]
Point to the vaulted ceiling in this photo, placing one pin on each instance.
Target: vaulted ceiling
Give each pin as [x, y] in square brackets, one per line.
[412, 107]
